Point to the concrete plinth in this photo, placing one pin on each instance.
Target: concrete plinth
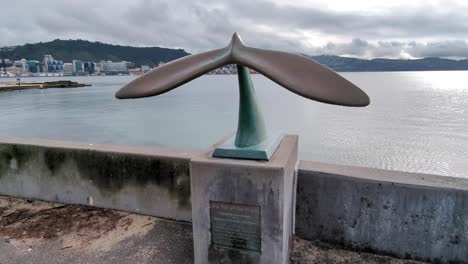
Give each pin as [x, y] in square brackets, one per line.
[242, 210]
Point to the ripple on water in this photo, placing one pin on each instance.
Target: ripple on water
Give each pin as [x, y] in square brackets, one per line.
[417, 121]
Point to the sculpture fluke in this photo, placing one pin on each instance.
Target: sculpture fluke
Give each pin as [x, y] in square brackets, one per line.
[296, 73]
[171, 75]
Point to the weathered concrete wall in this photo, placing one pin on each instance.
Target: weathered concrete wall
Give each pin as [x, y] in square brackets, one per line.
[408, 215]
[151, 181]
[402, 214]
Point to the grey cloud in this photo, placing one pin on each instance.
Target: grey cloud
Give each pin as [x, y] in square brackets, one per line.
[394, 23]
[363, 49]
[202, 25]
[456, 49]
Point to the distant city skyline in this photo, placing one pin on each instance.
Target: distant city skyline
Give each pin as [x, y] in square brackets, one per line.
[362, 29]
[50, 67]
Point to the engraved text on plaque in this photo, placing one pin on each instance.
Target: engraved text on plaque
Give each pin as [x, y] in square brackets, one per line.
[235, 226]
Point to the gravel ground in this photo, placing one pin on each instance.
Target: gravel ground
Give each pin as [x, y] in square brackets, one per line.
[315, 252]
[43, 232]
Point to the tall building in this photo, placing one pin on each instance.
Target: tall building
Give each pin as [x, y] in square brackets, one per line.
[88, 67]
[51, 65]
[97, 68]
[55, 66]
[22, 65]
[34, 66]
[68, 68]
[47, 59]
[77, 66]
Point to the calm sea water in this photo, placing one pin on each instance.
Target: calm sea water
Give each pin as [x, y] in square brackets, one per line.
[417, 121]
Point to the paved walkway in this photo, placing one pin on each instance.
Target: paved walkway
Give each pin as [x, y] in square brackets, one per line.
[41, 232]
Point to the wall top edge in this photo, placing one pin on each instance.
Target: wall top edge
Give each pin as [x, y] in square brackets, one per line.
[382, 175]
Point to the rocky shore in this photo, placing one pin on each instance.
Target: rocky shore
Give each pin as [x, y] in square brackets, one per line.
[40, 85]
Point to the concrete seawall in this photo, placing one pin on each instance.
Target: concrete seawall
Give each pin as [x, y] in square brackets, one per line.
[408, 215]
[151, 181]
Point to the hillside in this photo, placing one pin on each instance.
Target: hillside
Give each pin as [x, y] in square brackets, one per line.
[345, 64]
[68, 50]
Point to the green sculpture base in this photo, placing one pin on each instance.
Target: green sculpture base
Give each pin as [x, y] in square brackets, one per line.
[262, 151]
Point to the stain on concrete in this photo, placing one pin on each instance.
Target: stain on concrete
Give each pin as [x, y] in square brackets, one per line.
[17, 153]
[53, 159]
[316, 252]
[109, 172]
[410, 221]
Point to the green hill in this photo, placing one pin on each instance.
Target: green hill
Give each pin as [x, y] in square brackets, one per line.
[68, 50]
[344, 64]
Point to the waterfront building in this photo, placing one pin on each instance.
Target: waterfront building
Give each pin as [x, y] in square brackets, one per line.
[88, 67]
[22, 65]
[110, 67]
[68, 68]
[145, 68]
[51, 65]
[77, 66]
[47, 59]
[34, 66]
[55, 66]
[130, 65]
[7, 63]
[14, 70]
[135, 71]
[97, 68]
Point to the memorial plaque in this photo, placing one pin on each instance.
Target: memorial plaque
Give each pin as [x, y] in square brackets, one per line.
[235, 226]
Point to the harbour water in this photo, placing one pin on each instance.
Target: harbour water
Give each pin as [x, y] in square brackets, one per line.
[417, 121]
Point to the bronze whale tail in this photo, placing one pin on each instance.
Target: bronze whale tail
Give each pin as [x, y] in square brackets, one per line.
[296, 73]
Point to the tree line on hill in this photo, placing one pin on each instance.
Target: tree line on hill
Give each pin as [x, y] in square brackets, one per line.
[68, 50]
[344, 64]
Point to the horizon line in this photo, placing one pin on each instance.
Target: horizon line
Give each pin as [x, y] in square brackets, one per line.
[188, 53]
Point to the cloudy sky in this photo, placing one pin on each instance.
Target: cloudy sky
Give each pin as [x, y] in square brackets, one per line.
[358, 28]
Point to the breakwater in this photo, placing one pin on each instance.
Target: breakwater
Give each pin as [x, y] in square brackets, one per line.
[40, 85]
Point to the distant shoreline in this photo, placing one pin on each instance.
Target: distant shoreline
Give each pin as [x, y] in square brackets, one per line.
[40, 85]
[81, 76]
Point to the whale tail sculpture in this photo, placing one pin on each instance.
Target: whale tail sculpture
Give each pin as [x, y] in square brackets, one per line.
[296, 73]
